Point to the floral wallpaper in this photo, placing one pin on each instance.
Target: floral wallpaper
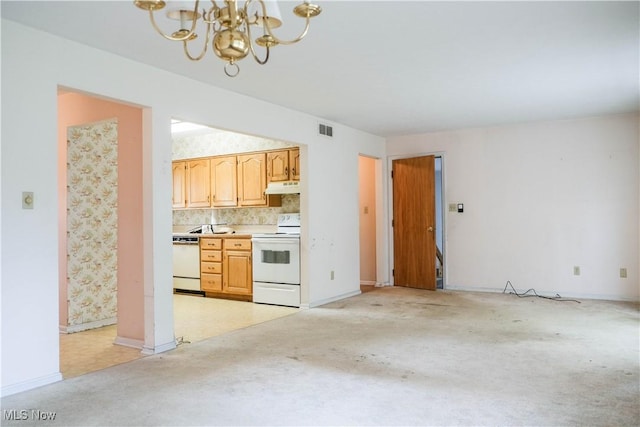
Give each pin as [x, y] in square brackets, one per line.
[216, 143]
[220, 142]
[92, 223]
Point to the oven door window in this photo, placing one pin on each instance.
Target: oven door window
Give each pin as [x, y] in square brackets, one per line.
[275, 257]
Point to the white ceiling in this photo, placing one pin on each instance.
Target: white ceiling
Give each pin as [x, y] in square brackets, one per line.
[403, 67]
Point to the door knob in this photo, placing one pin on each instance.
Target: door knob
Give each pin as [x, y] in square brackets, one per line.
[430, 229]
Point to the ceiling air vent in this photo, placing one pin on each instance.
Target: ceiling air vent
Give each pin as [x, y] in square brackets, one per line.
[325, 130]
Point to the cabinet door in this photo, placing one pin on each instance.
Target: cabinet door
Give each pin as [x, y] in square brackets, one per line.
[252, 179]
[179, 198]
[198, 188]
[278, 166]
[294, 164]
[236, 272]
[224, 181]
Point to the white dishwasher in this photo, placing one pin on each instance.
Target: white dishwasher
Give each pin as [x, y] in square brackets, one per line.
[186, 263]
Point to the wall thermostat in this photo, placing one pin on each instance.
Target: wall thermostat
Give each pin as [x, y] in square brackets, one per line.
[460, 207]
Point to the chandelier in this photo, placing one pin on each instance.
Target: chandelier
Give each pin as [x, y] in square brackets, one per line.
[229, 28]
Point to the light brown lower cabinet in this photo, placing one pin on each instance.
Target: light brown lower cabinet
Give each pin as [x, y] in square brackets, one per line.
[211, 264]
[225, 267]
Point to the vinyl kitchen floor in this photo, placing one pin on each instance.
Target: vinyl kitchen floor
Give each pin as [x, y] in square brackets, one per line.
[195, 319]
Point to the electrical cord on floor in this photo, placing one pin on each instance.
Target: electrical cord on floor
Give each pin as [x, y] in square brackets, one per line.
[526, 294]
[181, 340]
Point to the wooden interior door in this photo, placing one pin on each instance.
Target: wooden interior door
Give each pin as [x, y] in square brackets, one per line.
[414, 227]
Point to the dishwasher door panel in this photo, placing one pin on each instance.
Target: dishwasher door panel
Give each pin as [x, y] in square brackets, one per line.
[186, 260]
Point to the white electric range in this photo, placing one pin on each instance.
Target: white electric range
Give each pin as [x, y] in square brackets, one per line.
[276, 263]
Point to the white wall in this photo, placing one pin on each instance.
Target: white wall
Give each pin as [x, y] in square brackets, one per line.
[540, 199]
[29, 128]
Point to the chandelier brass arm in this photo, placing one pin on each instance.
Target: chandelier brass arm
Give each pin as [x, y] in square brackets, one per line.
[204, 47]
[229, 28]
[206, 17]
[304, 10]
[181, 35]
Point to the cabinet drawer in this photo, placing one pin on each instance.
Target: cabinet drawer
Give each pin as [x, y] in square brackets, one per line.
[211, 267]
[211, 256]
[211, 282]
[238, 244]
[210, 243]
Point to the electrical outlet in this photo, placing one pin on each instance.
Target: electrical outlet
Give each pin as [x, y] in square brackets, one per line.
[576, 270]
[453, 207]
[623, 273]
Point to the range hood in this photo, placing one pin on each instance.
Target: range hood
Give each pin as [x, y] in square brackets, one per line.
[284, 187]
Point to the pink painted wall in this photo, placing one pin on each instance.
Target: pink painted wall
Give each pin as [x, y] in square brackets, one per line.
[76, 109]
[367, 169]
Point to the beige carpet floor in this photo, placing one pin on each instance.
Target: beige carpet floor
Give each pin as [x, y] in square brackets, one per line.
[389, 357]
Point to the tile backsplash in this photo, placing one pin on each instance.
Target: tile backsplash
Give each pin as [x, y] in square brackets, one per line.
[237, 216]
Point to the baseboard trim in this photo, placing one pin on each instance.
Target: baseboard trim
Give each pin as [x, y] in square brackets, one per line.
[158, 349]
[129, 342]
[367, 283]
[30, 384]
[333, 299]
[545, 294]
[70, 329]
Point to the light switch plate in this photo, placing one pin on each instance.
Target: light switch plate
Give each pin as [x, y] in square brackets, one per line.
[27, 200]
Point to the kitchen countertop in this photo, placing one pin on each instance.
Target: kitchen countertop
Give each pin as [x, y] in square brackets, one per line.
[241, 231]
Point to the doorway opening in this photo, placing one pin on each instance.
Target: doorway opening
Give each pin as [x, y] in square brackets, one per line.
[101, 299]
[439, 194]
[368, 194]
[418, 222]
[196, 316]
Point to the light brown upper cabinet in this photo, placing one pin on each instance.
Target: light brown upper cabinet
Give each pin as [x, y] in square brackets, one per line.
[278, 166]
[252, 181]
[294, 164]
[224, 182]
[179, 171]
[198, 183]
[283, 165]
